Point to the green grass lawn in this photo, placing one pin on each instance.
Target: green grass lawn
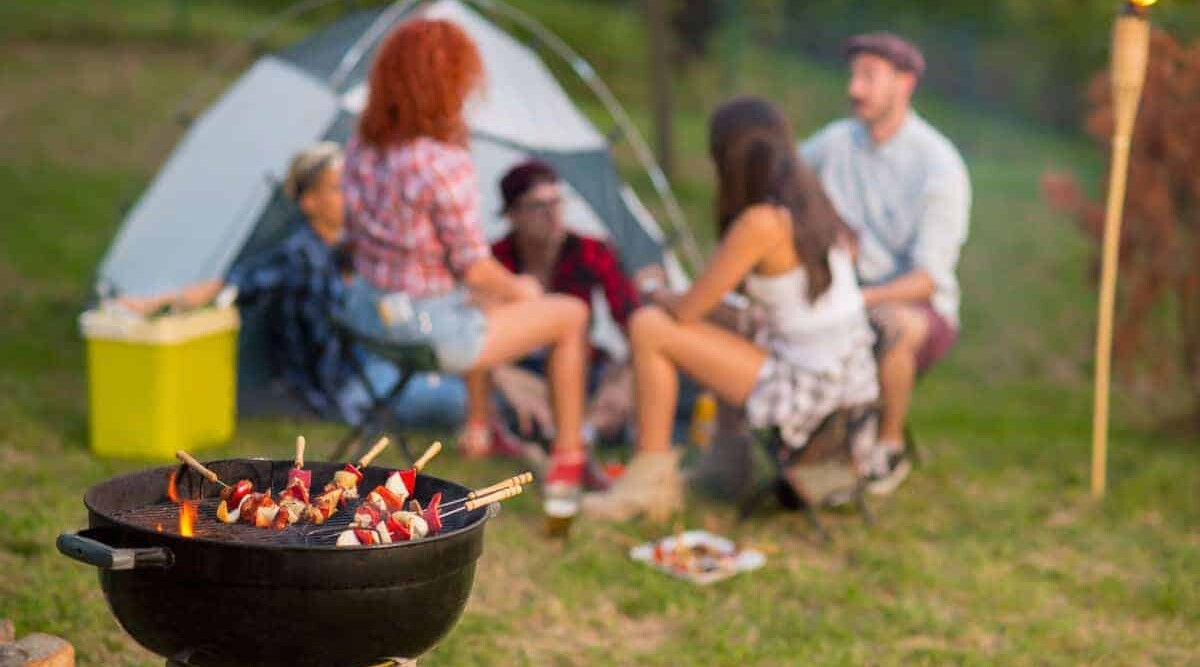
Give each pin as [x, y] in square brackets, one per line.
[992, 554]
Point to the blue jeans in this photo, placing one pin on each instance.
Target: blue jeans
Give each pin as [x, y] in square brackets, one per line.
[448, 323]
[430, 400]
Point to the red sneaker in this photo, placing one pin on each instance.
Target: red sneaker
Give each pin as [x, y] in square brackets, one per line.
[566, 470]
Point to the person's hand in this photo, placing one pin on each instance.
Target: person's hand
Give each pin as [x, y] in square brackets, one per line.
[613, 403]
[650, 279]
[194, 296]
[664, 299]
[529, 397]
[141, 305]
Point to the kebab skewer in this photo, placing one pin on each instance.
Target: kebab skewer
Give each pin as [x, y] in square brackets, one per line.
[375, 526]
[294, 501]
[403, 483]
[232, 495]
[404, 525]
[258, 509]
[344, 486]
[390, 496]
[382, 502]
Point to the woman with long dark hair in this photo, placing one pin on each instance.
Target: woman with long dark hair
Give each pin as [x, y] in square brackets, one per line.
[783, 243]
[426, 272]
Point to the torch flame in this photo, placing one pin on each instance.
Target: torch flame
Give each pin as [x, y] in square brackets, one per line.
[187, 518]
[1143, 3]
[172, 493]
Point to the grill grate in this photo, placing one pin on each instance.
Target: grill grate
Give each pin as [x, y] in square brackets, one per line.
[206, 525]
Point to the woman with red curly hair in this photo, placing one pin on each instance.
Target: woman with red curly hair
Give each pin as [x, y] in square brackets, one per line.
[426, 272]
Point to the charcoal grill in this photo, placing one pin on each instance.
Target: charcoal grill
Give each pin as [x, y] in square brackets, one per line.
[239, 595]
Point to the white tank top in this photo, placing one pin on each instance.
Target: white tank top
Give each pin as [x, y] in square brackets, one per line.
[814, 334]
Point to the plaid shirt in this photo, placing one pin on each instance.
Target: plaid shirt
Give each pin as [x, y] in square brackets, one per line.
[413, 215]
[583, 264]
[300, 280]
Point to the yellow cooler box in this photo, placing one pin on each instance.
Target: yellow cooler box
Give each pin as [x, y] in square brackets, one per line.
[162, 384]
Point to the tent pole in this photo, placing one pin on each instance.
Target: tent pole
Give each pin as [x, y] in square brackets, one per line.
[680, 229]
[379, 27]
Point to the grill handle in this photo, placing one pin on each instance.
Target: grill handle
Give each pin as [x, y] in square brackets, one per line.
[85, 548]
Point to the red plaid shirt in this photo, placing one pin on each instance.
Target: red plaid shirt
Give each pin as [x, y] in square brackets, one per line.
[412, 213]
[583, 264]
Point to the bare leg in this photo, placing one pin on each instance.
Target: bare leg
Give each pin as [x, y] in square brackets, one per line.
[716, 358]
[479, 385]
[475, 441]
[906, 330]
[518, 328]
[727, 363]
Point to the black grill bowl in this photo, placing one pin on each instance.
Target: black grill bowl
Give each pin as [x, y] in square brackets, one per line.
[212, 602]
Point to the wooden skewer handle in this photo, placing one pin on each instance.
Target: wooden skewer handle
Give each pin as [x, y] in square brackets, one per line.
[375, 451]
[503, 494]
[434, 450]
[520, 480]
[300, 451]
[192, 463]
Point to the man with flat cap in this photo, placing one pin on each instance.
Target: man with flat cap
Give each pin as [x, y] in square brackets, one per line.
[903, 188]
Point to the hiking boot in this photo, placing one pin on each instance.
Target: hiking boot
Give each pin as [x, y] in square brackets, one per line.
[885, 479]
[651, 485]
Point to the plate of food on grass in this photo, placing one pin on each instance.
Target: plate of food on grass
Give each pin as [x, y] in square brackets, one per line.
[698, 556]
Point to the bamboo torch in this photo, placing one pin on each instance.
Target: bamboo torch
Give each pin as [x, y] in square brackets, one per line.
[1130, 52]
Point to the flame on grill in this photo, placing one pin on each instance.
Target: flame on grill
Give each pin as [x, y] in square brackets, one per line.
[158, 527]
[187, 518]
[172, 492]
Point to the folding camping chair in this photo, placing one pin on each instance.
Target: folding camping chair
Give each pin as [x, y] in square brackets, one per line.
[805, 479]
[409, 359]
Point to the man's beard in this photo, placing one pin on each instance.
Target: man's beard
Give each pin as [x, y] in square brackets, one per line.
[884, 112]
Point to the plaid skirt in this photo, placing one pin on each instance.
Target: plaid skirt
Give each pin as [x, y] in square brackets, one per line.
[796, 398]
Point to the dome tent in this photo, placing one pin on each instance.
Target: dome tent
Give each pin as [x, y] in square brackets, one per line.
[217, 199]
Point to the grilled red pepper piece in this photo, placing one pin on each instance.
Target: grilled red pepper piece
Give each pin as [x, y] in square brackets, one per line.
[297, 490]
[409, 477]
[432, 515]
[233, 495]
[398, 531]
[393, 501]
[350, 468]
[302, 476]
[366, 536]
